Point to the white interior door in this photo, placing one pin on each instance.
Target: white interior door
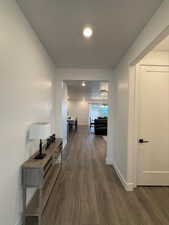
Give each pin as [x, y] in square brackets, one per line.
[153, 127]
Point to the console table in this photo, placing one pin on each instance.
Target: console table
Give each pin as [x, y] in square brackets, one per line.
[41, 174]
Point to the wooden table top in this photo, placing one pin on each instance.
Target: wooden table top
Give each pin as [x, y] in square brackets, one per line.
[34, 163]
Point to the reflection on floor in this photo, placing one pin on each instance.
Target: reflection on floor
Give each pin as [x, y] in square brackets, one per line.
[89, 193]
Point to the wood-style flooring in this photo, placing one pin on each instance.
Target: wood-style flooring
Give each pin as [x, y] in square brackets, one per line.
[89, 193]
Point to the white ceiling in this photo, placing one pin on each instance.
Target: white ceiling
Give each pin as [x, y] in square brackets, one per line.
[163, 45]
[90, 92]
[116, 24]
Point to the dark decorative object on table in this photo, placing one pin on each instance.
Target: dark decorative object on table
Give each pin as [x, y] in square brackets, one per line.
[48, 143]
[40, 155]
[52, 138]
[39, 131]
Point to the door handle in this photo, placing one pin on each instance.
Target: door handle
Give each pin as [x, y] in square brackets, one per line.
[142, 141]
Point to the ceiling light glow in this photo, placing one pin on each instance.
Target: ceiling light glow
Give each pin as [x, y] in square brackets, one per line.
[103, 92]
[83, 84]
[87, 32]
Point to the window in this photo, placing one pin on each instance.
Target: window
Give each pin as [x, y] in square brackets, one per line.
[98, 110]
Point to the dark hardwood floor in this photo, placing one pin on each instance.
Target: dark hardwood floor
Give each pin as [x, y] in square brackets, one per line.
[89, 193]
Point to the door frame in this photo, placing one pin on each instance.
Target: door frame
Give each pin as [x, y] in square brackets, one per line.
[132, 160]
[108, 159]
[133, 124]
[138, 70]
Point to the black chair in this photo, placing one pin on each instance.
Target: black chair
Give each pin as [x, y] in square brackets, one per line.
[100, 126]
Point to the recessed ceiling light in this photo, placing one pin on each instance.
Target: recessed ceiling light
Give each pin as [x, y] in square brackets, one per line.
[87, 32]
[83, 84]
[103, 92]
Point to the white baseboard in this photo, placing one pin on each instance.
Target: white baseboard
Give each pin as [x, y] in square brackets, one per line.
[19, 222]
[109, 162]
[127, 186]
[64, 143]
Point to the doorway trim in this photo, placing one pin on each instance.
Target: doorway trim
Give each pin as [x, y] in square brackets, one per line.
[108, 158]
[133, 109]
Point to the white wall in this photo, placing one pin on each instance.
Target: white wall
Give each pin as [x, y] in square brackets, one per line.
[64, 112]
[26, 75]
[122, 155]
[61, 107]
[79, 109]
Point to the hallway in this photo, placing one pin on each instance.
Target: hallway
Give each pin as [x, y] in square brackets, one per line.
[87, 193]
